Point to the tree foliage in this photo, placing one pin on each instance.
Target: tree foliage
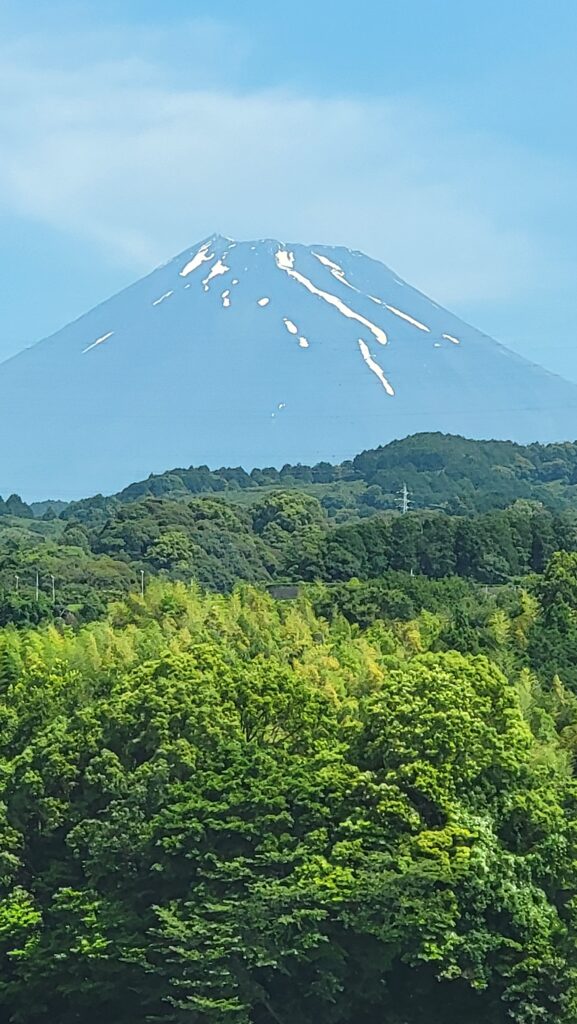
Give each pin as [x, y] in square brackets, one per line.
[226, 808]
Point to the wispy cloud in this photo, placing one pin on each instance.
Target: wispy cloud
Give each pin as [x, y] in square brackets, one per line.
[120, 146]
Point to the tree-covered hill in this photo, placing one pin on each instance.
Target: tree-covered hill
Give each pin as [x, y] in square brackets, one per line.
[228, 810]
[441, 471]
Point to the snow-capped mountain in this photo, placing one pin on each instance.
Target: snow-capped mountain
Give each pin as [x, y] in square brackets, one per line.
[256, 354]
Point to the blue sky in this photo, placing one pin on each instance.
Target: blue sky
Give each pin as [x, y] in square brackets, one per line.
[436, 136]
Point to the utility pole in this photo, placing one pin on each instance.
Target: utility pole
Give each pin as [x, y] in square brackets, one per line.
[142, 582]
[37, 586]
[17, 578]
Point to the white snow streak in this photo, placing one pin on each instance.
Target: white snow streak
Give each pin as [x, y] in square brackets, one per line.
[304, 342]
[285, 261]
[335, 270]
[217, 270]
[326, 262]
[201, 257]
[162, 298]
[98, 341]
[264, 301]
[291, 328]
[450, 337]
[374, 366]
[409, 319]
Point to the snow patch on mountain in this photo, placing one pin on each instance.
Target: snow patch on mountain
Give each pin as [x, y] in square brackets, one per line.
[202, 256]
[217, 270]
[335, 270]
[291, 328]
[374, 366]
[408, 318]
[285, 260]
[98, 341]
[163, 297]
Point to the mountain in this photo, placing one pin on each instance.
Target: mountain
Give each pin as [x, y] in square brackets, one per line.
[256, 354]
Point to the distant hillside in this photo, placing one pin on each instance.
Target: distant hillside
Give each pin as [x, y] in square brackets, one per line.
[491, 512]
[445, 472]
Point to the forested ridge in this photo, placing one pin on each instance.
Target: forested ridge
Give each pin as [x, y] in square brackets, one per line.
[486, 510]
[356, 806]
[442, 471]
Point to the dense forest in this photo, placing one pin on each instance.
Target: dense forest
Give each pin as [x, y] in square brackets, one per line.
[357, 804]
[228, 808]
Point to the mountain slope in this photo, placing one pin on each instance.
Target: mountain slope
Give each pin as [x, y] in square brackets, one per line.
[258, 353]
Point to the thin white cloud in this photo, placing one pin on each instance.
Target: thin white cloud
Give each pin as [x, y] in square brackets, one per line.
[123, 152]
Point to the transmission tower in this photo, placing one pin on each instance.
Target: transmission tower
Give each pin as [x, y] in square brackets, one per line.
[405, 500]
